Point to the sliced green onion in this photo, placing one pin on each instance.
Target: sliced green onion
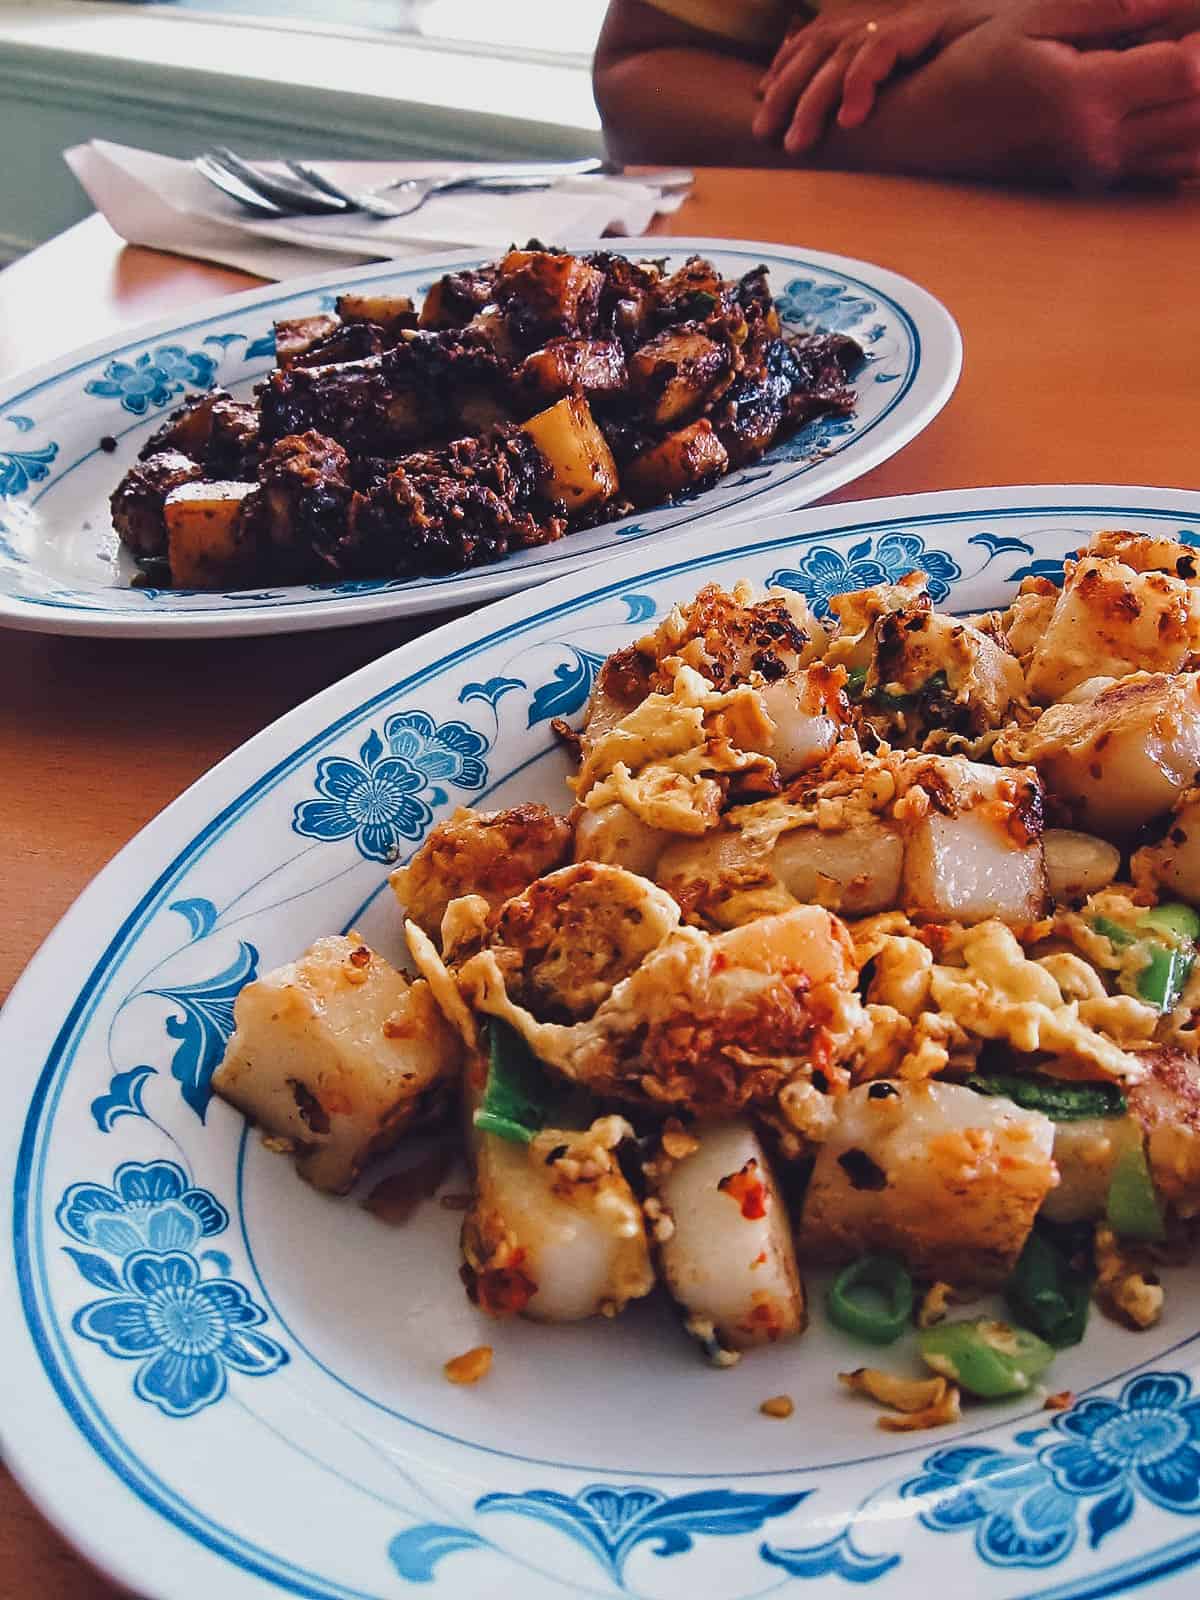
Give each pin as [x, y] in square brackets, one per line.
[1113, 931]
[1174, 917]
[1047, 1294]
[872, 1298]
[1166, 934]
[989, 1359]
[1133, 1210]
[903, 702]
[1161, 981]
[856, 677]
[520, 1098]
[1059, 1100]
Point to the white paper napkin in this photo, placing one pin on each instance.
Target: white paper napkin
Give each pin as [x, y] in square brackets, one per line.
[154, 200]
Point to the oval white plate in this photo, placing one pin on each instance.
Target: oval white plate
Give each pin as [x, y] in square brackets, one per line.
[219, 1381]
[62, 571]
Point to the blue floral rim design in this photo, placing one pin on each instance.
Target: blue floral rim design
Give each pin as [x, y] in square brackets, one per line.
[28, 1214]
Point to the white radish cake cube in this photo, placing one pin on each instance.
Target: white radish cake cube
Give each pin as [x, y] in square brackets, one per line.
[332, 1057]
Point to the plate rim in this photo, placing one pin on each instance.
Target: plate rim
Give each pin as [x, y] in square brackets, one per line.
[35, 1467]
[925, 313]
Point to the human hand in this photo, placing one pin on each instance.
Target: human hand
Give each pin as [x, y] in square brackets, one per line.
[1046, 89]
[1096, 108]
[849, 54]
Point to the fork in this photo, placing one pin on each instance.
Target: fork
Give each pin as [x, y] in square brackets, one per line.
[266, 194]
[416, 191]
[308, 191]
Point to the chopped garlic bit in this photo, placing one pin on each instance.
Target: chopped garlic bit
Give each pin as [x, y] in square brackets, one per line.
[890, 1389]
[945, 1410]
[471, 1366]
[659, 1220]
[918, 1402]
[935, 1304]
[779, 1405]
[677, 1143]
[1126, 1285]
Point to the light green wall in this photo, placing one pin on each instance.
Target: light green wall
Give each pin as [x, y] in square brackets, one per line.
[50, 100]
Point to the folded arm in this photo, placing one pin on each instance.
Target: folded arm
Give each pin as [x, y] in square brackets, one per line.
[673, 94]
[1038, 93]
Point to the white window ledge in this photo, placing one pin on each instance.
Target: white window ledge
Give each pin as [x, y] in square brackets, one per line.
[469, 100]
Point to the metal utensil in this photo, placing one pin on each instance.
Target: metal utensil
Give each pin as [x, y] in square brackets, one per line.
[412, 193]
[224, 180]
[284, 193]
[307, 190]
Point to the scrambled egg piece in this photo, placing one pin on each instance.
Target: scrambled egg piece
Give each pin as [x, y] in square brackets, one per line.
[665, 760]
[659, 1013]
[728, 637]
[490, 853]
[1028, 617]
[857, 613]
[927, 1014]
[999, 993]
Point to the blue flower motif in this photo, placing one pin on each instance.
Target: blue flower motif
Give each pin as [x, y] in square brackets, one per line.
[839, 1556]
[1019, 1517]
[823, 572]
[20, 468]
[380, 800]
[1024, 1506]
[377, 800]
[264, 345]
[150, 1206]
[901, 553]
[356, 586]
[641, 607]
[831, 306]
[186, 1332]
[1148, 1440]
[154, 378]
[447, 752]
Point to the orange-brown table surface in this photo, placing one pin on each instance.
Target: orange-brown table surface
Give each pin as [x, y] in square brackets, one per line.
[1081, 324]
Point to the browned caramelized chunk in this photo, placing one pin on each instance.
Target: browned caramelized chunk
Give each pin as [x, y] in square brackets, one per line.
[138, 500]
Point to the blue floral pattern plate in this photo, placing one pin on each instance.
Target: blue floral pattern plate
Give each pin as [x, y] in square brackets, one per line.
[70, 431]
[220, 1382]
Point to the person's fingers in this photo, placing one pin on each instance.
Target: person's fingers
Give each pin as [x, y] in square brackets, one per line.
[873, 62]
[779, 102]
[816, 40]
[1102, 19]
[1165, 131]
[1146, 76]
[793, 42]
[877, 57]
[816, 105]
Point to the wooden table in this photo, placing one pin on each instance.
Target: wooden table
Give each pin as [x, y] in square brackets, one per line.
[1081, 323]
